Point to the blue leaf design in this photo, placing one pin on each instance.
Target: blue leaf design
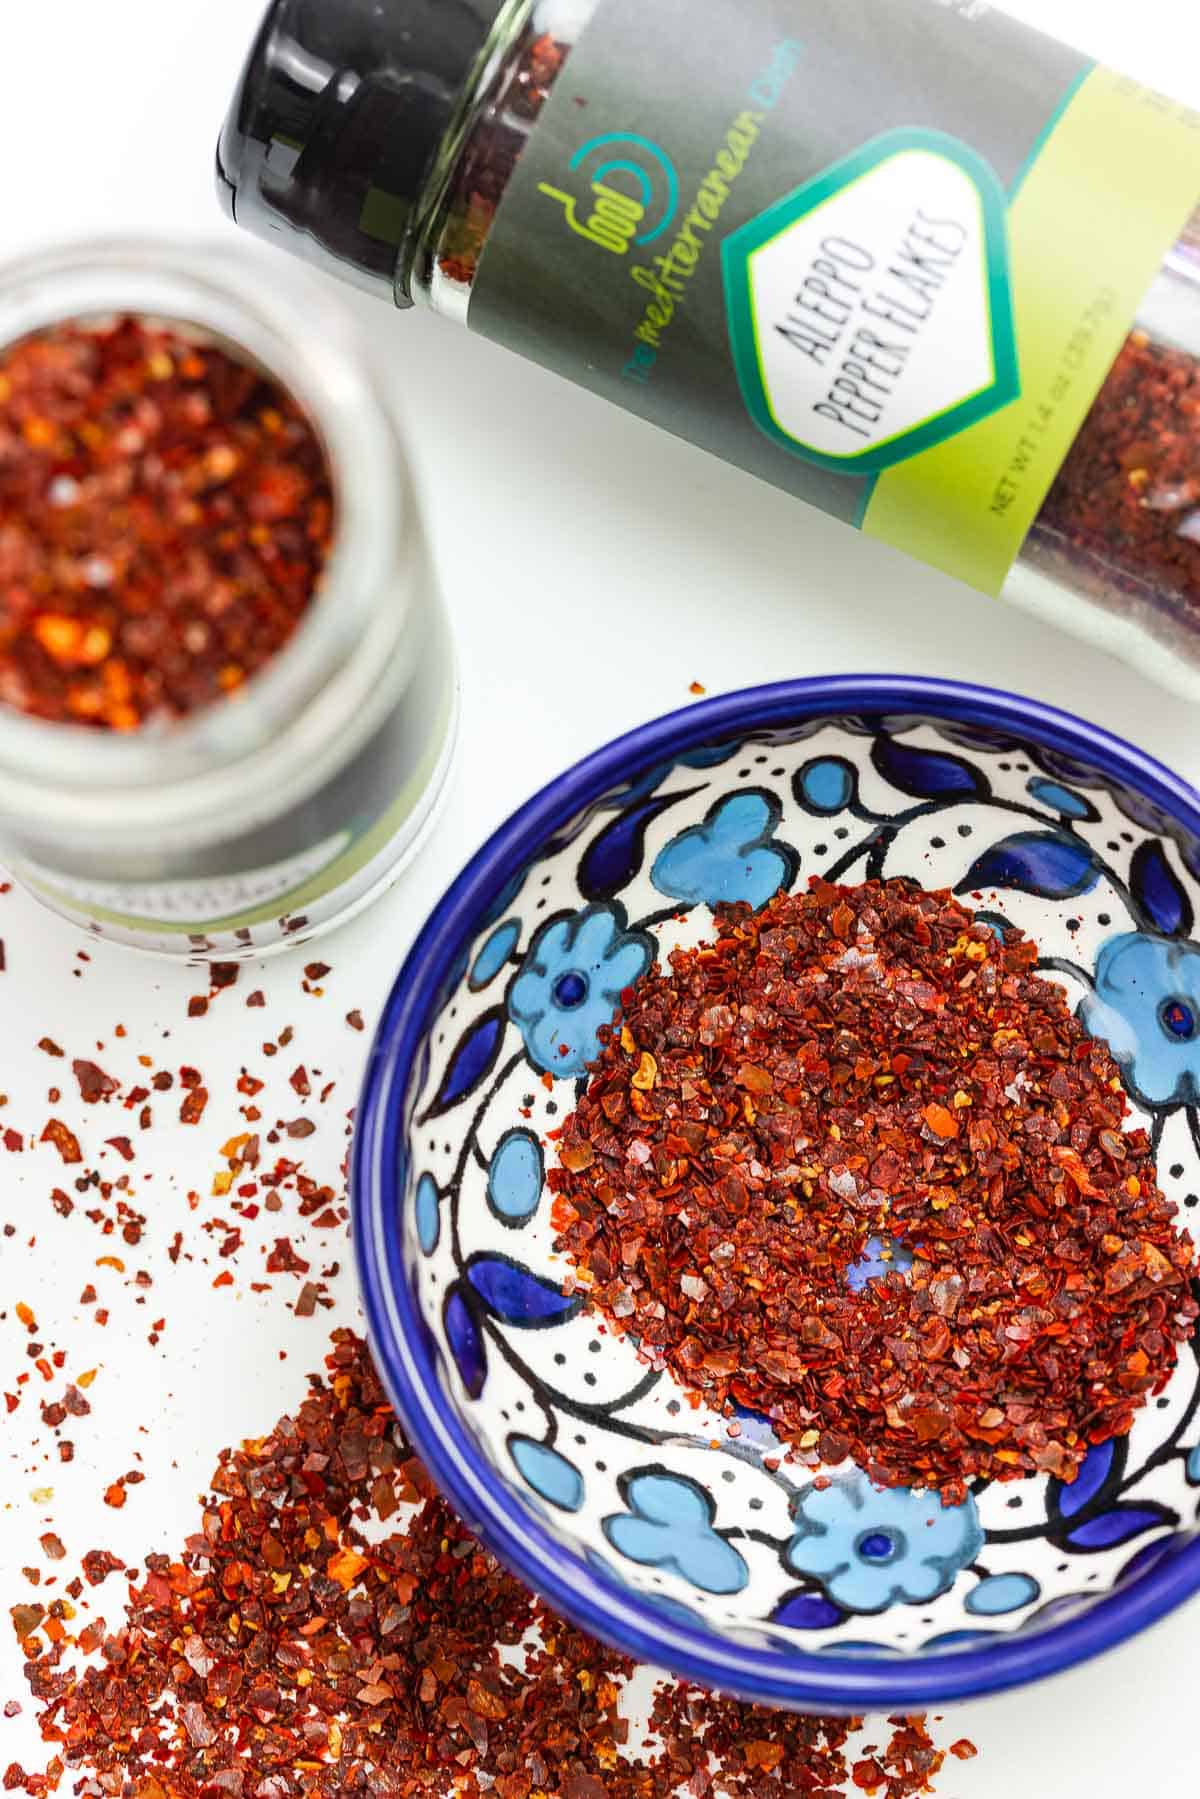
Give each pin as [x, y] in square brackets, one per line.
[495, 953]
[807, 1611]
[1098, 1465]
[550, 1474]
[1158, 891]
[465, 1340]
[825, 785]
[515, 1177]
[1061, 799]
[926, 774]
[1119, 1525]
[997, 1594]
[517, 1296]
[428, 1214]
[471, 1061]
[1042, 862]
[613, 858]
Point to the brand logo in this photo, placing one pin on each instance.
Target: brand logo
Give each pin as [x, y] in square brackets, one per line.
[632, 194]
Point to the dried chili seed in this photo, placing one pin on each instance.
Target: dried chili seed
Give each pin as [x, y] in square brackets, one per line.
[166, 513]
[819, 1178]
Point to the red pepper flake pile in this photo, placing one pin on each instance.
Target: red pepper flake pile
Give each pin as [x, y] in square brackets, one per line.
[165, 516]
[860, 1072]
[294, 1648]
[1126, 503]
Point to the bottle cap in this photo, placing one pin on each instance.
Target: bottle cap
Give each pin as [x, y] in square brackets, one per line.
[337, 119]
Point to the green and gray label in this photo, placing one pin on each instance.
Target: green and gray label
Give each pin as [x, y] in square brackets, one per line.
[880, 254]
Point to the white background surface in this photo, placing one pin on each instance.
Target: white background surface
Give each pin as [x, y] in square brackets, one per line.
[593, 569]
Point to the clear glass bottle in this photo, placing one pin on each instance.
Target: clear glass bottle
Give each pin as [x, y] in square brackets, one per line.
[434, 106]
[275, 815]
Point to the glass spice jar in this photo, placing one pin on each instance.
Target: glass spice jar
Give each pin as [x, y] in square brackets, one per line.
[908, 259]
[275, 814]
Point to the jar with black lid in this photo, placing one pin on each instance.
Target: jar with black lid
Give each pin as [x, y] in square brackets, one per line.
[910, 260]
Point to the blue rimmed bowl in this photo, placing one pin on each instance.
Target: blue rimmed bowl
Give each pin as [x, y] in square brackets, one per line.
[649, 1522]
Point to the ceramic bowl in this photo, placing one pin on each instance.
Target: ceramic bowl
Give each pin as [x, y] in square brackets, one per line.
[589, 1474]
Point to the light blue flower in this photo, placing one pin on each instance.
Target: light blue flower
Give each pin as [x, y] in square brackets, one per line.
[881, 1256]
[872, 1548]
[669, 1524]
[570, 984]
[731, 856]
[1146, 1006]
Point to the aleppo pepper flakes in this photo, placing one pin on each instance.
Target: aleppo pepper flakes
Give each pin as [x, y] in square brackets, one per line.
[869, 1065]
[1126, 502]
[165, 516]
[493, 152]
[294, 1647]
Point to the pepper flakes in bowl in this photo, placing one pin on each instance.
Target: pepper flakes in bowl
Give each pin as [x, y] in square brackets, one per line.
[857, 1166]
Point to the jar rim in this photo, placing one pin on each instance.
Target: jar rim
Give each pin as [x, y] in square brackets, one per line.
[316, 692]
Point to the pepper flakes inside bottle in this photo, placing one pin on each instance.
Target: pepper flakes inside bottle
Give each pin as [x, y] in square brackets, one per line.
[166, 513]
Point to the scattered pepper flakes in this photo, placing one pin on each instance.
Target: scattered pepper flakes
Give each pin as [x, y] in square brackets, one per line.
[64, 1141]
[413, 1659]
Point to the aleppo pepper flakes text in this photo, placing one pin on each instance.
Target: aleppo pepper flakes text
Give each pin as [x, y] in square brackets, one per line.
[303, 1644]
[165, 516]
[850, 1081]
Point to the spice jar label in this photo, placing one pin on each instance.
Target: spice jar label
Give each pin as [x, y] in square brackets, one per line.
[882, 255]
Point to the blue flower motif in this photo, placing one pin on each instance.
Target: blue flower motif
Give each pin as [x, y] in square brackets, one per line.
[669, 1524]
[731, 856]
[881, 1255]
[1146, 1006]
[870, 1548]
[570, 984]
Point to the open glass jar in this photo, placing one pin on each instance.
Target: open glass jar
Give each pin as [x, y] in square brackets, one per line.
[279, 812]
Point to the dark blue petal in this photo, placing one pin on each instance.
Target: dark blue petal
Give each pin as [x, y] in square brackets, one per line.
[959, 1639]
[926, 774]
[1042, 862]
[472, 1060]
[808, 1611]
[612, 859]
[1158, 891]
[1150, 1554]
[1120, 1525]
[516, 1296]
[503, 900]
[465, 1340]
[1067, 1501]
[709, 755]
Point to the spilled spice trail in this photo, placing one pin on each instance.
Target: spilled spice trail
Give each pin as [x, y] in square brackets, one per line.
[301, 1643]
[856, 1166]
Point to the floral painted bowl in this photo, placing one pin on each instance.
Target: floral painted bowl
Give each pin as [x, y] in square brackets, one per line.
[585, 1470]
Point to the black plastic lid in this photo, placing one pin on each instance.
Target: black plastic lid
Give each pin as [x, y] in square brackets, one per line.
[339, 113]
